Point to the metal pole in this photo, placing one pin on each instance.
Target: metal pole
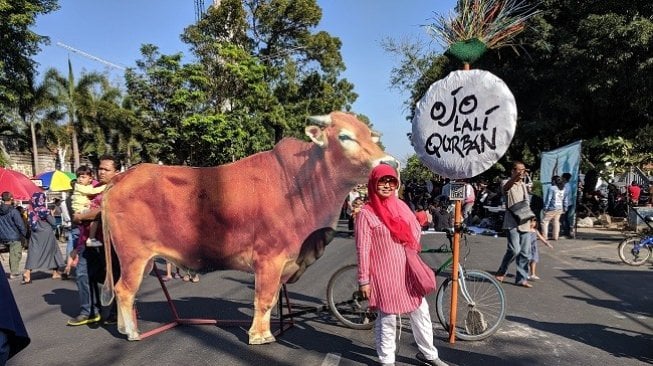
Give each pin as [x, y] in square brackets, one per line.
[454, 271]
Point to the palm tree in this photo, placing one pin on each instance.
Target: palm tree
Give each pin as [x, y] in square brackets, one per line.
[12, 135]
[108, 124]
[31, 107]
[71, 97]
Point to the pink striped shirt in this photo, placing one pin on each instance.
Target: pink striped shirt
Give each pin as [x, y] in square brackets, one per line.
[382, 263]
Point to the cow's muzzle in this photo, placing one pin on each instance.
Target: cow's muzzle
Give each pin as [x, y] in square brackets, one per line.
[389, 160]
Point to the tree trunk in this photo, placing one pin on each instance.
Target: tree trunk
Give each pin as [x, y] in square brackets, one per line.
[73, 136]
[61, 153]
[278, 133]
[35, 151]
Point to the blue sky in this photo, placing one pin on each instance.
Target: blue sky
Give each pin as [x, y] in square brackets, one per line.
[115, 30]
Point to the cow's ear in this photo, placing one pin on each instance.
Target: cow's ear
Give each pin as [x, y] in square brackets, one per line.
[316, 135]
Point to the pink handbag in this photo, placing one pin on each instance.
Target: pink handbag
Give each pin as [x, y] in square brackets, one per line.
[423, 276]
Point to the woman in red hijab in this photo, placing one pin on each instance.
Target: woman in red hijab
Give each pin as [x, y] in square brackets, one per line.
[383, 227]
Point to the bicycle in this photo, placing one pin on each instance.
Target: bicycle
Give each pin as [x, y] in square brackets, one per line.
[480, 293]
[637, 249]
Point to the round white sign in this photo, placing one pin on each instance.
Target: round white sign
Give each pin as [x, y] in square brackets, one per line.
[464, 123]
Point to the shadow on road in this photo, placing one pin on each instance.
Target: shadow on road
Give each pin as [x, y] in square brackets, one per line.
[626, 286]
[618, 342]
[67, 300]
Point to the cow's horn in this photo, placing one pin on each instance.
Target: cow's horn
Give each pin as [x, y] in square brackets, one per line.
[322, 121]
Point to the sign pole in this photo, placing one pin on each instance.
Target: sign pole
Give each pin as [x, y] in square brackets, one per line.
[457, 225]
[457, 195]
[454, 271]
[462, 150]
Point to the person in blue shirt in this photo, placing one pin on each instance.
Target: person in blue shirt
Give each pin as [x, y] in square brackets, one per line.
[555, 204]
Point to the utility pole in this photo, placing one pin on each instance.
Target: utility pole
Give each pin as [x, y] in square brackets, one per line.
[199, 10]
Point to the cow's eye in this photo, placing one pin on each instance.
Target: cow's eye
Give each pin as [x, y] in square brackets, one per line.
[343, 137]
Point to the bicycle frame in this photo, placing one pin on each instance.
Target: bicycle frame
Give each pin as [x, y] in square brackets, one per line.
[647, 240]
[446, 263]
[485, 308]
[461, 273]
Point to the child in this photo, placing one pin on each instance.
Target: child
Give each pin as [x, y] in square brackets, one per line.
[81, 200]
[535, 254]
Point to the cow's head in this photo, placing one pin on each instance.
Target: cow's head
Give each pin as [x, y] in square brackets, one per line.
[344, 137]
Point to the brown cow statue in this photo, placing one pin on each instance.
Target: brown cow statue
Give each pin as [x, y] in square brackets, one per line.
[270, 214]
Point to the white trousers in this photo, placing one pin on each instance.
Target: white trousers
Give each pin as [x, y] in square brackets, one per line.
[385, 329]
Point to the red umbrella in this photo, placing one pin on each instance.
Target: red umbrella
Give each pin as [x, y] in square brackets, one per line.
[20, 186]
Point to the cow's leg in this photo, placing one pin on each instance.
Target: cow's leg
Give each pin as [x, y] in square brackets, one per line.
[266, 292]
[131, 276]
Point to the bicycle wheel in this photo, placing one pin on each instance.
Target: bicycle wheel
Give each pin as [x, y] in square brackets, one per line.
[629, 254]
[479, 316]
[346, 301]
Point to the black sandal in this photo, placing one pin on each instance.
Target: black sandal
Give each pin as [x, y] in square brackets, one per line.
[25, 281]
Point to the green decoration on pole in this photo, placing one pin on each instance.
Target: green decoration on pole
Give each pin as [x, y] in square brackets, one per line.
[467, 51]
[480, 25]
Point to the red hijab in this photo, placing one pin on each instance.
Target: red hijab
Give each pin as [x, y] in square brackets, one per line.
[389, 209]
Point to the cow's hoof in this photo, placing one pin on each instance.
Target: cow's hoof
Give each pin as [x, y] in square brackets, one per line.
[261, 339]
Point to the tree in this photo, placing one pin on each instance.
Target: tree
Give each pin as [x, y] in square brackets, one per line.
[162, 93]
[105, 127]
[69, 97]
[416, 171]
[32, 107]
[585, 75]
[300, 68]
[581, 71]
[17, 46]
[260, 72]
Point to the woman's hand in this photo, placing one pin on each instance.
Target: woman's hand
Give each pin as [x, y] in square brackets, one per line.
[365, 291]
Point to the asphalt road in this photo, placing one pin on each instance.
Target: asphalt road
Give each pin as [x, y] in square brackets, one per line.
[588, 309]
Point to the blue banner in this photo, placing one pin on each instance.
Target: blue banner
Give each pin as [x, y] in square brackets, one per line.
[559, 161]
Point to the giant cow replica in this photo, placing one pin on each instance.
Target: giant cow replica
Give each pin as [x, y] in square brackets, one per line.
[270, 214]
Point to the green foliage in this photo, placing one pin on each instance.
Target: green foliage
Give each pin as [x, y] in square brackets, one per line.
[18, 44]
[260, 71]
[584, 72]
[187, 127]
[616, 154]
[416, 171]
[163, 92]
[261, 68]
[70, 101]
[297, 70]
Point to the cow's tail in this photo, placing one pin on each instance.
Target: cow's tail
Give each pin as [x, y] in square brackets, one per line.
[107, 288]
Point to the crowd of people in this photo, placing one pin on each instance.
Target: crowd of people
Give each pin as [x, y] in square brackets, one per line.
[430, 202]
[34, 228]
[388, 221]
[386, 217]
[431, 208]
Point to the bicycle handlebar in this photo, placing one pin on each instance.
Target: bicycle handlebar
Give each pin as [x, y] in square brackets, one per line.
[447, 248]
[444, 248]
